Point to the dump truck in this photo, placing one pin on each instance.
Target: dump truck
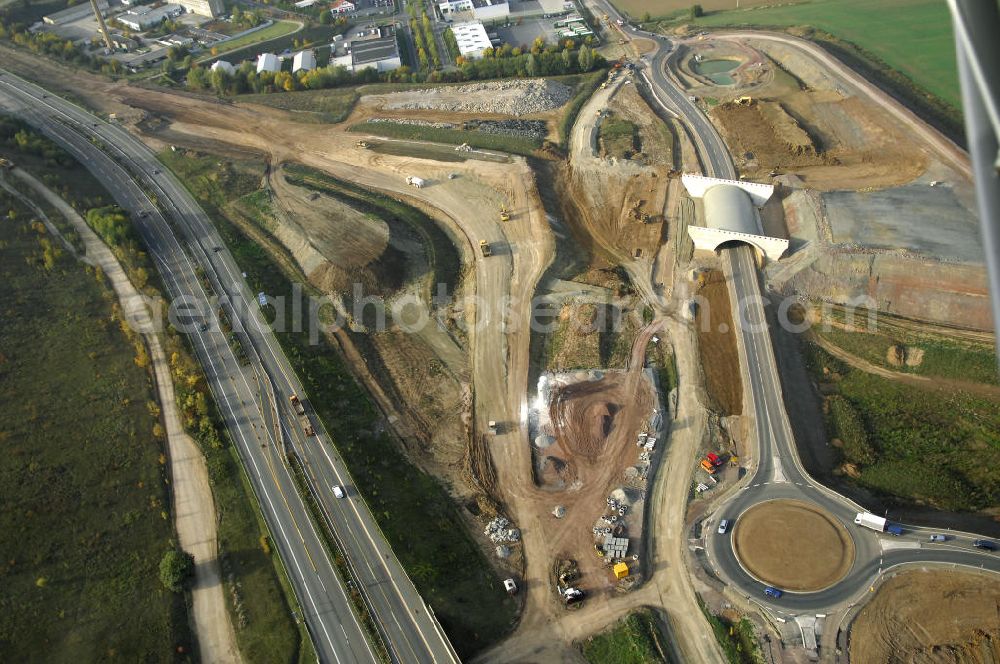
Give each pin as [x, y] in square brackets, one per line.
[300, 410]
[414, 181]
[510, 586]
[869, 520]
[484, 247]
[492, 426]
[714, 459]
[363, 144]
[707, 466]
[504, 214]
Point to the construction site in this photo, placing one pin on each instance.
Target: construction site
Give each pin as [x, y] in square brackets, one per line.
[561, 449]
[594, 451]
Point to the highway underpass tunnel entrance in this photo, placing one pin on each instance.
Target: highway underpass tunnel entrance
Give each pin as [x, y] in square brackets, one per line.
[758, 253]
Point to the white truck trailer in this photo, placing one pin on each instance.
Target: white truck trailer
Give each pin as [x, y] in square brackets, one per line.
[869, 520]
[414, 181]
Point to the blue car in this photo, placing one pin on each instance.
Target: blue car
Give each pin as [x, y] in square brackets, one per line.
[985, 544]
[773, 592]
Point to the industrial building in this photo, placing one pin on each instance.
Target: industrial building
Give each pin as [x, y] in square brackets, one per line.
[373, 48]
[343, 7]
[471, 38]
[142, 18]
[304, 61]
[268, 62]
[381, 54]
[482, 10]
[75, 13]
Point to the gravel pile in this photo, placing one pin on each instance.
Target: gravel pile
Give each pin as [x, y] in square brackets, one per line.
[501, 97]
[499, 533]
[418, 123]
[525, 128]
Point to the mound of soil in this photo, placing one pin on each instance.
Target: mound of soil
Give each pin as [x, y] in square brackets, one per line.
[583, 415]
[930, 616]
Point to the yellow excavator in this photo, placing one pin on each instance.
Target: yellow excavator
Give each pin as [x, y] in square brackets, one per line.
[504, 214]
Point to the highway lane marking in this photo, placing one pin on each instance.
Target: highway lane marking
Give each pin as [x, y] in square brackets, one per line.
[266, 340]
[168, 274]
[256, 319]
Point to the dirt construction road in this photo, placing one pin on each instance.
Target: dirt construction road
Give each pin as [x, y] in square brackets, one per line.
[499, 338]
[193, 504]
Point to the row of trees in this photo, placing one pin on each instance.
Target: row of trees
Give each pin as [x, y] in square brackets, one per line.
[51, 44]
[504, 62]
[16, 134]
[426, 44]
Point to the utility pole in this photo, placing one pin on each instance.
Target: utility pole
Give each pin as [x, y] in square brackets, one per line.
[104, 27]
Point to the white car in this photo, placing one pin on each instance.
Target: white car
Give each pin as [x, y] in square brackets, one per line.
[338, 491]
[723, 526]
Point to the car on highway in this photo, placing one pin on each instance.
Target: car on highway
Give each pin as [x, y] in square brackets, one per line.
[985, 544]
[938, 538]
[771, 591]
[338, 491]
[723, 526]
[204, 327]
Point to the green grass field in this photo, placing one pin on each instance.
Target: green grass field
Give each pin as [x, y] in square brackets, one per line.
[618, 136]
[911, 36]
[918, 446]
[325, 106]
[273, 31]
[942, 358]
[512, 144]
[86, 513]
[637, 8]
[635, 639]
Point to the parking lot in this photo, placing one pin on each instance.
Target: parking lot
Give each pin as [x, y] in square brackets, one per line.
[523, 30]
[373, 8]
[529, 30]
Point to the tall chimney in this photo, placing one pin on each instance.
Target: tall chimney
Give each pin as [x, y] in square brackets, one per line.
[104, 27]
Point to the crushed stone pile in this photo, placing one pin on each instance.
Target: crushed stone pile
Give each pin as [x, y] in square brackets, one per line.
[500, 97]
[498, 532]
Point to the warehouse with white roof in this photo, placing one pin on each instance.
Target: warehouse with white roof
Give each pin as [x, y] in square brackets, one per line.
[472, 39]
[268, 62]
[304, 61]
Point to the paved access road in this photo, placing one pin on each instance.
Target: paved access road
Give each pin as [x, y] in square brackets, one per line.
[405, 622]
[778, 473]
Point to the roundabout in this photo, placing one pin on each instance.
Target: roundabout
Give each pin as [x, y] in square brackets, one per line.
[793, 545]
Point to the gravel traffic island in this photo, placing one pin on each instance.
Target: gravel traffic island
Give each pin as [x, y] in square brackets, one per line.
[793, 545]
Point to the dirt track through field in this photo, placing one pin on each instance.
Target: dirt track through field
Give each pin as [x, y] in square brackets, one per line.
[193, 503]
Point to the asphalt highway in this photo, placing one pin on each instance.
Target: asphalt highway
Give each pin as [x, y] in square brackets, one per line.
[778, 473]
[245, 396]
